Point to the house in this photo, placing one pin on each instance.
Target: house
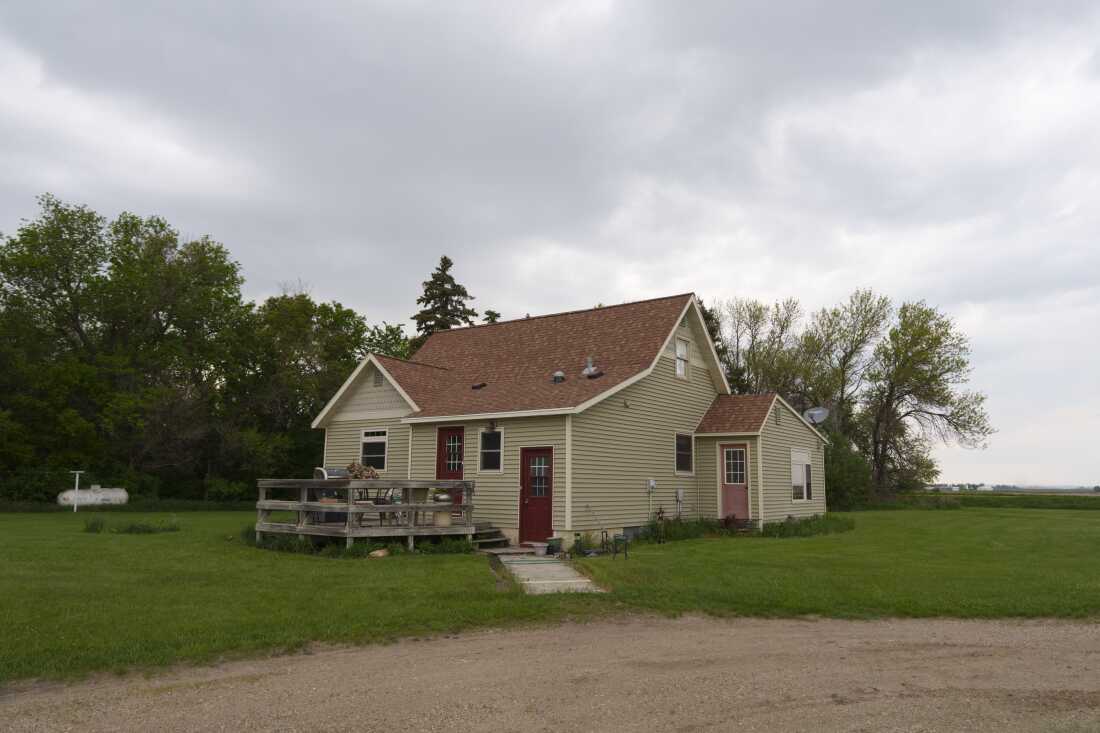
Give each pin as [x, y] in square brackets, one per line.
[579, 422]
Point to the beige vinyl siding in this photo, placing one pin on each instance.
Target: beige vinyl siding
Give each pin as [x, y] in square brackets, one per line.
[630, 437]
[343, 443]
[707, 472]
[364, 400]
[779, 437]
[496, 497]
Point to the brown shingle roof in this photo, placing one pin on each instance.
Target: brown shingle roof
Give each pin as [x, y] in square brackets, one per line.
[516, 359]
[736, 413]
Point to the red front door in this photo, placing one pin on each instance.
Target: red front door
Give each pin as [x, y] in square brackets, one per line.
[536, 494]
[733, 467]
[448, 457]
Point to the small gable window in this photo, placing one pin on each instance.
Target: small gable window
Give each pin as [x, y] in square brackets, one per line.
[374, 449]
[684, 454]
[682, 347]
[377, 378]
[491, 451]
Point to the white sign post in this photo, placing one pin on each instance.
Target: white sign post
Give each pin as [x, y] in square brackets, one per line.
[76, 488]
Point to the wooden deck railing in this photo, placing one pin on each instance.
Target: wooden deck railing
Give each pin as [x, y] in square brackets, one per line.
[371, 508]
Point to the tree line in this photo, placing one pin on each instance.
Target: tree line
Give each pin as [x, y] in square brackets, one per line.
[893, 378]
[130, 352]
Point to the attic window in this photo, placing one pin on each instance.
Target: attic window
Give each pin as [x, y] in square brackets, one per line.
[377, 378]
[479, 385]
[682, 347]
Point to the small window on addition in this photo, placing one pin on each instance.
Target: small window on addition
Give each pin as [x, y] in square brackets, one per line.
[684, 455]
[491, 445]
[374, 449]
[682, 347]
[801, 476]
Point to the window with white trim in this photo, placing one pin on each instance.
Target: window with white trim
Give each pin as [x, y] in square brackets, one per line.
[491, 450]
[682, 349]
[801, 476]
[684, 453]
[377, 378]
[373, 453]
[734, 466]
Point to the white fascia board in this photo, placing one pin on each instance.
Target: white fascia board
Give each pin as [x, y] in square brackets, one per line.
[710, 342]
[489, 415]
[805, 422]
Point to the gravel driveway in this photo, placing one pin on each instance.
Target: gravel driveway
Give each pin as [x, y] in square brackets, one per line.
[690, 674]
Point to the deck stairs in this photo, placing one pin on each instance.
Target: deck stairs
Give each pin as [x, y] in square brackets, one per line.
[491, 541]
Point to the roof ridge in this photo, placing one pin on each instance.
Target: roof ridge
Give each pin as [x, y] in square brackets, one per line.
[410, 361]
[564, 313]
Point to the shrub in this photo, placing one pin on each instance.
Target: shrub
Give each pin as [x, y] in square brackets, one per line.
[808, 526]
[170, 525]
[919, 501]
[685, 529]
[221, 490]
[94, 526]
[336, 548]
[447, 546]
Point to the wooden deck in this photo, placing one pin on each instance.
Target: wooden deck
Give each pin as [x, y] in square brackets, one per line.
[369, 508]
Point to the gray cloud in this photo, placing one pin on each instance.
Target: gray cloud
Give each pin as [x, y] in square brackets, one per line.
[576, 152]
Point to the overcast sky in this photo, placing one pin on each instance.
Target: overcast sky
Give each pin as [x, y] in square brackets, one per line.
[565, 154]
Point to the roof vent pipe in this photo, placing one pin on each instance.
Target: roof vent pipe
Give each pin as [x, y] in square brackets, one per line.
[591, 370]
[558, 377]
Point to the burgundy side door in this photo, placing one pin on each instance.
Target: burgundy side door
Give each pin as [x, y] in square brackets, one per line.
[536, 494]
[733, 467]
[448, 457]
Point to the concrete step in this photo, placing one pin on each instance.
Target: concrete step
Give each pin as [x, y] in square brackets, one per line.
[490, 540]
[506, 551]
[539, 575]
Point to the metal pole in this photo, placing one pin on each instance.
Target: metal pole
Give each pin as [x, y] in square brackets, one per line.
[76, 487]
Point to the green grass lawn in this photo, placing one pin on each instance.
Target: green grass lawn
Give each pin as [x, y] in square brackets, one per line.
[968, 563]
[72, 603]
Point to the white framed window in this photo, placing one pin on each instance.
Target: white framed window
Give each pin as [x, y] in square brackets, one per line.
[685, 454]
[801, 476]
[683, 346]
[491, 451]
[377, 378]
[373, 452]
[734, 466]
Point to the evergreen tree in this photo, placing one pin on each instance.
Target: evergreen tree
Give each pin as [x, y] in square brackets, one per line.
[444, 302]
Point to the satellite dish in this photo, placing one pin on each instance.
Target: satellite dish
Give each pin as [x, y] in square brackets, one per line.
[816, 415]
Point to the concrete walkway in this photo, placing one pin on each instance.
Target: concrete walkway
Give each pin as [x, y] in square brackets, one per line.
[547, 575]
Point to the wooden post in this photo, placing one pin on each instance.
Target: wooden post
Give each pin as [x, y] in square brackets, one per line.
[303, 497]
[260, 514]
[411, 545]
[347, 519]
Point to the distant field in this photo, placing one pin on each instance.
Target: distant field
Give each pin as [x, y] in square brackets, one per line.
[1064, 500]
[73, 603]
